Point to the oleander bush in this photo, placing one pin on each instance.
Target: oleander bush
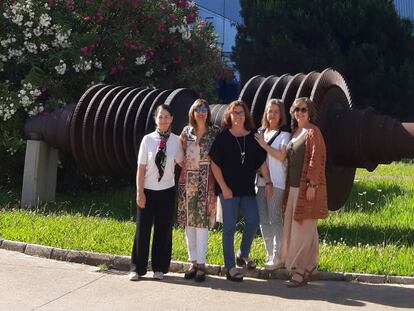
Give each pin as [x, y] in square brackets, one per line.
[52, 51]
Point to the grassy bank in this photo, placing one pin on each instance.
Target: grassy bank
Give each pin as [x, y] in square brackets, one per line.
[372, 233]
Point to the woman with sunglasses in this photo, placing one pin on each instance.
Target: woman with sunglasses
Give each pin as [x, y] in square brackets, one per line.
[306, 194]
[273, 138]
[196, 198]
[158, 153]
[236, 156]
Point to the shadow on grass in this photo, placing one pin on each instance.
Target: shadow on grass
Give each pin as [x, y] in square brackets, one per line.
[371, 198]
[118, 204]
[339, 293]
[366, 235]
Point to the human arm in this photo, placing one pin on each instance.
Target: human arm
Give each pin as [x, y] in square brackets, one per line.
[316, 165]
[141, 200]
[264, 171]
[279, 154]
[218, 175]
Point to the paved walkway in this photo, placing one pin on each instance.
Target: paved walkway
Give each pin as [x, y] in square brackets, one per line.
[32, 283]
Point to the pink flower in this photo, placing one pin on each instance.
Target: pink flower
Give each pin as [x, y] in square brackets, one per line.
[176, 60]
[133, 46]
[50, 2]
[85, 50]
[181, 3]
[69, 4]
[120, 68]
[98, 15]
[190, 18]
[113, 70]
[149, 53]
[108, 3]
[160, 27]
[135, 3]
[171, 16]
[87, 18]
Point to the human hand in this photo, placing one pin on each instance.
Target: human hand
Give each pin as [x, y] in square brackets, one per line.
[310, 193]
[260, 139]
[141, 199]
[268, 191]
[227, 193]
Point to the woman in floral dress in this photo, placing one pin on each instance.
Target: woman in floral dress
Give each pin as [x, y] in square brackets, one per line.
[196, 198]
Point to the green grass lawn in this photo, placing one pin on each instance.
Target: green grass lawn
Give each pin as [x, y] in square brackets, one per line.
[372, 233]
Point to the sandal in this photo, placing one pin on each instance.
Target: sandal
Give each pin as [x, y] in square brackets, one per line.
[295, 283]
[200, 275]
[190, 273]
[311, 275]
[235, 277]
[245, 262]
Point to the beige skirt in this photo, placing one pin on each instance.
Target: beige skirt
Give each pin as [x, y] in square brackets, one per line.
[300, 244]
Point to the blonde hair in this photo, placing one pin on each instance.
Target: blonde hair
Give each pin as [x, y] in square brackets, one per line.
[282, 117]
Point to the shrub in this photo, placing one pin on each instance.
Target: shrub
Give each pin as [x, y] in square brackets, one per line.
[51, 51]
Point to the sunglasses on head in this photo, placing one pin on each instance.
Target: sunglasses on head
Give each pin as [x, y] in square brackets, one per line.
[201, 109]
[300, 109]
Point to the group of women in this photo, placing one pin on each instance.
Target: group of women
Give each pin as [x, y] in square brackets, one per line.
[230, 163]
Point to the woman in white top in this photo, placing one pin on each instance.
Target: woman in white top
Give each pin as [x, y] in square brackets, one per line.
[158, 153]
[273, 139]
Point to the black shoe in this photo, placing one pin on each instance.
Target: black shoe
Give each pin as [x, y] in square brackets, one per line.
[190, 273]
[200, 274]
[245, 262]
[236, 277]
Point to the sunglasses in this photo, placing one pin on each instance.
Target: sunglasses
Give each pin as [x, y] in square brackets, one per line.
[298, 109]
[201, 109]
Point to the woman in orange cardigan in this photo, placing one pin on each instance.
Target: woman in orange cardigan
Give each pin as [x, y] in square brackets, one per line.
[306, 194]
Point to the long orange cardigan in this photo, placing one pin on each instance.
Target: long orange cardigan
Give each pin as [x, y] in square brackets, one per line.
[313, 171]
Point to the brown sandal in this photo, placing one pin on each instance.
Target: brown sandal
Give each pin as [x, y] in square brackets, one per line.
[311, 275]
[295, 283]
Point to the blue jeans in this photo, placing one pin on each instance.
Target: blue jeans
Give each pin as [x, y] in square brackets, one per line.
[230, 207]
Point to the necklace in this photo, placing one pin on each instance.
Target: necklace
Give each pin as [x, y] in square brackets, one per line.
[242, 151]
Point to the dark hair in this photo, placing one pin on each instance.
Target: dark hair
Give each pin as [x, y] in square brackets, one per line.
[198, 103]
[311, 110]
[165, 107]
[281, 105]
[248, 120]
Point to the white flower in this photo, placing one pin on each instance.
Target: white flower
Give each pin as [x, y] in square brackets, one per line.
[43, 47]
[45, 20]
[149, 73]
[61, 68]
[97, 64]
[140, 60]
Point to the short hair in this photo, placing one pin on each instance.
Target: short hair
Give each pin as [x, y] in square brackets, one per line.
[248, 120]
[198, 103]
[311, 110]
[281, 105]
[165, 107]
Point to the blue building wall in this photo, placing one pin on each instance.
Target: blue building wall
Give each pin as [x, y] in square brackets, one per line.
[405, 8]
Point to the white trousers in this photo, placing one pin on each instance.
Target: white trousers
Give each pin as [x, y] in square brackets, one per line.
[196, 239]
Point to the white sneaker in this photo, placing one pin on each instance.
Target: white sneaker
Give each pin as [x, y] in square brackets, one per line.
[158, 275]
[133, 276]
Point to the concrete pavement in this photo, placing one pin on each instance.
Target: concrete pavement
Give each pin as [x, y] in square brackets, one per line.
[33, 283]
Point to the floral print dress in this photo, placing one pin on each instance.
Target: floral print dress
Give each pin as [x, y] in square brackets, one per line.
[196, 198]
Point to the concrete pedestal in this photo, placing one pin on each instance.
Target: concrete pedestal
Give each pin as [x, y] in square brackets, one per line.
[40, 172]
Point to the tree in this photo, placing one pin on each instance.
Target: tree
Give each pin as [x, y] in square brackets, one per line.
[51, 51]
[365, 40]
